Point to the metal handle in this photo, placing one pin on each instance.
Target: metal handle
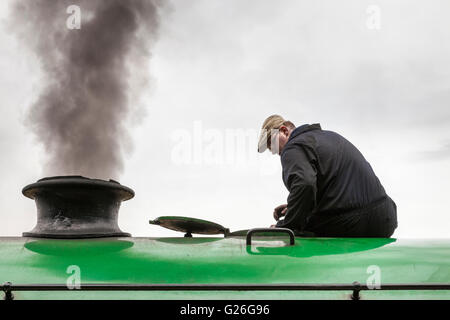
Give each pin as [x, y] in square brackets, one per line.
[274, 230]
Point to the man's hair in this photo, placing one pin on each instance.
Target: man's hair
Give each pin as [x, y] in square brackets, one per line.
[274, 122]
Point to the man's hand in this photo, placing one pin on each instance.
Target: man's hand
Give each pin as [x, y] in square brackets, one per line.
[279, 211]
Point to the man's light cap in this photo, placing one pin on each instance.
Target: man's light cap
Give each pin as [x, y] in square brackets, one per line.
[272, 123]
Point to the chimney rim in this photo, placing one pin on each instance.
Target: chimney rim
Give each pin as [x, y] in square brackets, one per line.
[31, 190]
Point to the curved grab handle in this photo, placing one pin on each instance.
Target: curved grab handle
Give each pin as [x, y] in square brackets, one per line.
[274, 230]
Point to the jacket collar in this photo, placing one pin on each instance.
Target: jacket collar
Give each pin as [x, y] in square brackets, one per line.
[304, 128]
[299, 130]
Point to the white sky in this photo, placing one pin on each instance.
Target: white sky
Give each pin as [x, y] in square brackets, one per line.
[226, 65]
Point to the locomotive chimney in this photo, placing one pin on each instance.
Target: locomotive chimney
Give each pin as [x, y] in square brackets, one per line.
[77, 207]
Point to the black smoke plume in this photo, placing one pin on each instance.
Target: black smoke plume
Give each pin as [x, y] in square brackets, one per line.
[89, 77]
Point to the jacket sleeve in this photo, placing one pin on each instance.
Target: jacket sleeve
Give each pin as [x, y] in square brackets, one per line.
[299, 176]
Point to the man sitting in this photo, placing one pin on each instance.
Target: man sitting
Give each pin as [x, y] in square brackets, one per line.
[333, 191]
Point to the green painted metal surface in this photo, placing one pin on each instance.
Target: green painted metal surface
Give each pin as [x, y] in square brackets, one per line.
[225, 260]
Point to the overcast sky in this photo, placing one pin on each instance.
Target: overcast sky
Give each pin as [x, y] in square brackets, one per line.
[220, 68]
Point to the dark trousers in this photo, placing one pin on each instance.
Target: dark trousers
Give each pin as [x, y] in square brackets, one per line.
[375, 221]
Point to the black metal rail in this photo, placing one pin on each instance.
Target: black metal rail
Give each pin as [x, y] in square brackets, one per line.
[272, 230]
[8, 288]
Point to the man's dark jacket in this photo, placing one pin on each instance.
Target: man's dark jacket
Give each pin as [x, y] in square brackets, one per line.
[327, 177]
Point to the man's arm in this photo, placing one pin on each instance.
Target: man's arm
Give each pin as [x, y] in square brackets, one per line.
[299, 176]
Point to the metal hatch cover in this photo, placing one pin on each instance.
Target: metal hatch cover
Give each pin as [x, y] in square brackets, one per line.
[190, 225]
